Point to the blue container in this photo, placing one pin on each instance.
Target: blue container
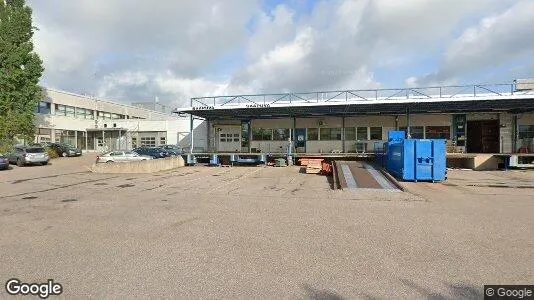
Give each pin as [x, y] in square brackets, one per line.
[214, 161]
[417, 159]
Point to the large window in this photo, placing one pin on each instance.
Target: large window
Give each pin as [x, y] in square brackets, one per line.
[526, 131]
[104, 115]
[148, 141]
[361, 133]
[280, 134]
[245, 134]
[350, 133]
[262, 134]
[69, 111]
[60, 110]
[64, 110]
[438, 132]
[375, 133]
[330, 134]
[117, 116]
[42, 108]
[416, 132]
[65, 137]
[82, 113]
[313, 134]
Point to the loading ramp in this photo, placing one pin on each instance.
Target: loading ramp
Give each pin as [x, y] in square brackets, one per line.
[359, 175]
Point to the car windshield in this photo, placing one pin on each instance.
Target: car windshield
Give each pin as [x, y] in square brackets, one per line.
[35, 150]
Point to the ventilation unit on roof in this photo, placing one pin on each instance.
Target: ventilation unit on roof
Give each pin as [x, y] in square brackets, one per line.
[524, 84]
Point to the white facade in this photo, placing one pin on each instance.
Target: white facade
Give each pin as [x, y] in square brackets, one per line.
[507, 133]
[99, 125]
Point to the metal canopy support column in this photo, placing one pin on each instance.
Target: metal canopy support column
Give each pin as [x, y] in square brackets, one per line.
[103, 139]
[343, 133]
[249, 132]
[191, 133]
[120, 140]
[295, 134]
[408, 122]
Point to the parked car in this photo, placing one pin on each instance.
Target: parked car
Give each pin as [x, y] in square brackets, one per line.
[24, 155]
[155, 152]
[173, 150]
[4, 162]
[121, 156]
[65, 150]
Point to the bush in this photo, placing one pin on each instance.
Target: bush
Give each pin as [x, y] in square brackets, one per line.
[52, 153]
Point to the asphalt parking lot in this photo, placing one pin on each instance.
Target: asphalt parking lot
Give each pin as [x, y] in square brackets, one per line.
[262, 232]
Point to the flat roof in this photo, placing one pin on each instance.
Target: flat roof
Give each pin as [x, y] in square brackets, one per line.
[447, 99]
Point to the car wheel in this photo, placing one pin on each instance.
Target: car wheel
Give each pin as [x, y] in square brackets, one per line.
[64, 154]
[44, 163]
[109, 161]
[19, 163]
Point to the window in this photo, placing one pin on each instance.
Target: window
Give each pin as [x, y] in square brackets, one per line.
[69, 110]
[104, 115]
[417, 132]
[313, 134]
[42, 108]
[162, 141]
[361, 133]
[134, 142]
[117, 116]
[375, 133]
[438, 132]
[148, 141]
[244, 134]
[330, 134]
[44, 131]
[262, 134]
[82, 113]
[526, 131]
[61, 110]
[281, 134]
[350, 134]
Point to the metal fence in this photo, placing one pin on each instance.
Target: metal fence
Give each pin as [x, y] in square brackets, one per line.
[440, 92]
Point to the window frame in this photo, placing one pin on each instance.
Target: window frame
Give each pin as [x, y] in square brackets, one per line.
[373, 138]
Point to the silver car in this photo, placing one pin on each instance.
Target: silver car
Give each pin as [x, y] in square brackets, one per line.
[23, 155]
[120, 156]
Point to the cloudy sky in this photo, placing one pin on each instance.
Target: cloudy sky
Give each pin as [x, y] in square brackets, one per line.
[172, 49]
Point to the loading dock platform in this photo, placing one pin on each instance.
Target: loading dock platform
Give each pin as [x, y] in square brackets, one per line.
[358, 175]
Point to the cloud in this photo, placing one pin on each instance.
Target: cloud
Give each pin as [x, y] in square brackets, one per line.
[495, 41]
[181, 49]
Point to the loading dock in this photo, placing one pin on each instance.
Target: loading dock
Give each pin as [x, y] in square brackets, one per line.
[357, 175]
[483, 136]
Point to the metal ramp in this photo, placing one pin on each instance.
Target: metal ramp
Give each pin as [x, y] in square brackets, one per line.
[357, 175]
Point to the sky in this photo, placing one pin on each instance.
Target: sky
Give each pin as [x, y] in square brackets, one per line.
[132, 51]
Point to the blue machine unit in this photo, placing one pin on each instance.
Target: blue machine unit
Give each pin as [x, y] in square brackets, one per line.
[416, 159]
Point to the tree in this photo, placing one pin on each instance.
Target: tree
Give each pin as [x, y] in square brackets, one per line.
[20, 71]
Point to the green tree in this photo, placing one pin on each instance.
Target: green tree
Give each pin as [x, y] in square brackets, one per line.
[20, 71]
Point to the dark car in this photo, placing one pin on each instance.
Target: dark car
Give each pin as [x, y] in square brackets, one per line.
[155, 152]
[4, 162]
[65, 150]
[172, 150]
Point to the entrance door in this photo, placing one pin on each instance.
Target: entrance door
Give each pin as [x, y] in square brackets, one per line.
[483, 136]
[229, 139]
[300, 140]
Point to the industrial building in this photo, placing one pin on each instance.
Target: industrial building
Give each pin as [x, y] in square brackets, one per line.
[93, 124]
[491, 119]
